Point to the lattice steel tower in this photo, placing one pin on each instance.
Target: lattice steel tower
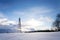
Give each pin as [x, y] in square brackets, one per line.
[20, 24]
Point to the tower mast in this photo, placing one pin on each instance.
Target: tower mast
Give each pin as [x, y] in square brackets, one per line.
[20, 24]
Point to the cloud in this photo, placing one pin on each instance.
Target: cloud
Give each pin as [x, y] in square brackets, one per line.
[32, 12]
[38, 10]
[31, 24]
[29, 15]
[46, 19]
[42, 23]
[5, 21]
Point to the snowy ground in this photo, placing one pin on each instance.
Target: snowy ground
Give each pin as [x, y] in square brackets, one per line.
[30, 36]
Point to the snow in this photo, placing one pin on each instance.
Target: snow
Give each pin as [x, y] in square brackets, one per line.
[30, 36]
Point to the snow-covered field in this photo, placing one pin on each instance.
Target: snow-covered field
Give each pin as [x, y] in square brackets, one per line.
[30, 36]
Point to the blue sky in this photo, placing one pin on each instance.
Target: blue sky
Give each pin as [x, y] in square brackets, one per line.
[30, 10]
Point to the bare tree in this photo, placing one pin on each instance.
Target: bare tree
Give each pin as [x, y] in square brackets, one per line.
[57, 22]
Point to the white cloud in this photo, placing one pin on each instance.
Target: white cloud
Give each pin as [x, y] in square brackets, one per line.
[46, 19]
[38, 10]
[32, 12]
[5, 21]
[38, 24]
